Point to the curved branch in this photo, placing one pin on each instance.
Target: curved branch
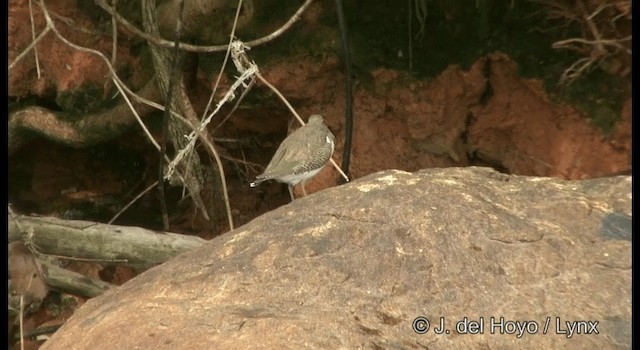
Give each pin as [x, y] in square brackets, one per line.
[197, 48]
[92, 129]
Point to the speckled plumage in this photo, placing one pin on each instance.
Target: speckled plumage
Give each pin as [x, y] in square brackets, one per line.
[301, 155]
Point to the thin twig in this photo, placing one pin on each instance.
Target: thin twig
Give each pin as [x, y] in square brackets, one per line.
[243, 161]
[73, 258]
[284, 100]
[32, 334]
[602, 42]
[235, 106]
[348, 87]
[576, 69]
[13, 216]
[21, 322]
[223, 181]
[121, 89]
[33, 38]
[131, 202]
[114, 33]
[224, 62]
[296, 16]
[33, 44]
[410, 53]
[598, 10]
[74, 26]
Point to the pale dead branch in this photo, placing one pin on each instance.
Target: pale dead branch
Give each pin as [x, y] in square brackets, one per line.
[601, 40]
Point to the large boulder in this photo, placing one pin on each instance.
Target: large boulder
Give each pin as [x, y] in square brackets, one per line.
[504, 261]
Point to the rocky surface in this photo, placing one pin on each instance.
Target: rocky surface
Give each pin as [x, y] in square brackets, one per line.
[355, 266]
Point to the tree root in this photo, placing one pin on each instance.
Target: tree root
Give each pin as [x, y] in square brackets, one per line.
[89, 130]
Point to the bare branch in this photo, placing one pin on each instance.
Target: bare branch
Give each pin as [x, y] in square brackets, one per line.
[197, 48]
[600, 38]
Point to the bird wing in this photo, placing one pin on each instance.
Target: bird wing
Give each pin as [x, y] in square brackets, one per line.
[303, 144]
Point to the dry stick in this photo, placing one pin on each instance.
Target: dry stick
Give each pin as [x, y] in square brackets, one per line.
[135, 114]
[624, 7]
[244, 159]
[114, 34]
[33, 38]
[263, 80]
[592, 27]
[73, 258]
[74, 26]
[410, 40]
[114, 41]
[244, 93]
[131, 202]
[348, 88]
[34, 333]
[223, 180]
[600, 42]
[547, 164]
[286, 103]
[31, 46]
[21, 321]
[598, 10]
[576, 69]
[196, 48]
[212, 150]
[226, 59]
[22, 313]
[173, 76]
[296, 16]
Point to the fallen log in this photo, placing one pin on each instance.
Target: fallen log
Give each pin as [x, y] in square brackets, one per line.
[136, 247]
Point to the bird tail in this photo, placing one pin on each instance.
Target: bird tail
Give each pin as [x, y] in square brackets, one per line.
[255, 183]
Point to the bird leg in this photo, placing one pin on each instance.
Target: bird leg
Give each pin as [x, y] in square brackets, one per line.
[293, 197]
[291, 192]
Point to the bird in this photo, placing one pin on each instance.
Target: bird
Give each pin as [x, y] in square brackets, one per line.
[300, 156]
